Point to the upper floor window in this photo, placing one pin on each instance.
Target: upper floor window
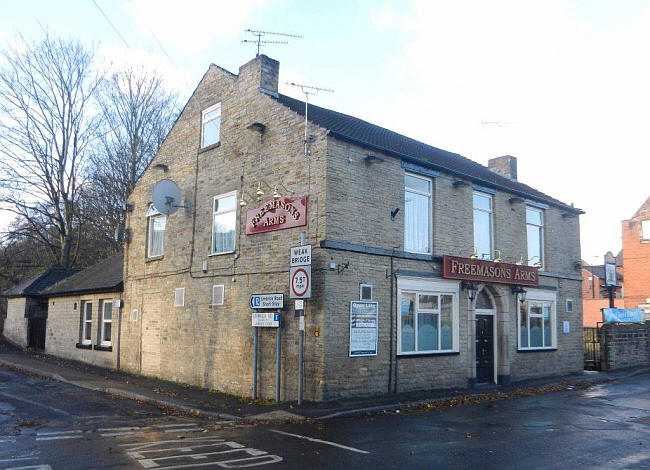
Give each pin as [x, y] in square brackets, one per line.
[224, 217]
[210, 125]
[483, 225]
[156, 223]
[417, 214]
[535, 236]
[645, 230]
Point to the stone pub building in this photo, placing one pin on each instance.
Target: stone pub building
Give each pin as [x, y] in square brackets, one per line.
[428, 270]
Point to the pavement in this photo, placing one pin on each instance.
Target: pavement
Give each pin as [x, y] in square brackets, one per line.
[200, 402]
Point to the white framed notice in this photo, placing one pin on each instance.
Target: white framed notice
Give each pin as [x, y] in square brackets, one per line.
[364, 328]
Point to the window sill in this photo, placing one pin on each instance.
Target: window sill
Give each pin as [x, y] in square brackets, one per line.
[102, 347]
[427, 354]
[222, 253]
[83, 346]
[209, 147]
[153, 258]
[534, 350]
[413, 252]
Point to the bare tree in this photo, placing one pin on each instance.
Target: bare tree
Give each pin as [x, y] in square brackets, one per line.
[137, 111]
[48, 120]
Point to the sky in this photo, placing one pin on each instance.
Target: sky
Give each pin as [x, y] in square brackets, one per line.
[562, 85]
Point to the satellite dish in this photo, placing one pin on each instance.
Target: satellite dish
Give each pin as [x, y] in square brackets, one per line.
[166, 197]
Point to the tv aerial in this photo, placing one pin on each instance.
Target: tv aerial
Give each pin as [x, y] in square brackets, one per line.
[260, 34]
[308, 90]
[166, 197]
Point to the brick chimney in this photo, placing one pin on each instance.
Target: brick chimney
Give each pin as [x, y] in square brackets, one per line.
[504, 166]
[261, 73]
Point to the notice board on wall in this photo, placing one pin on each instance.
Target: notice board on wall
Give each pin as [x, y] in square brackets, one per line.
[364, 328]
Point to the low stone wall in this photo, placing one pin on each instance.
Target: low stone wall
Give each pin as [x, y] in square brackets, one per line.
[624, 345]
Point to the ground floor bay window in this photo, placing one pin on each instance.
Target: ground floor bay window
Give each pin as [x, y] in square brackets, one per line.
[537, 320]
[427, 316]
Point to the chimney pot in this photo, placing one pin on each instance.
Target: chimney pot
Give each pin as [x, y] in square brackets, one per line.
[504, 166]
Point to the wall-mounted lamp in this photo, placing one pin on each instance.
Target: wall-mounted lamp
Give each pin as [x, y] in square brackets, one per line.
[515, 199]
[521, 293]
[393, 213]
[473, 255]
[471, 289]
[497, 257]
[459, 183]
[521, 261]
[161, 166]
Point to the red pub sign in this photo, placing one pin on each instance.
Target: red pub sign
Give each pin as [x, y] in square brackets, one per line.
[286, 212]
[469, 269]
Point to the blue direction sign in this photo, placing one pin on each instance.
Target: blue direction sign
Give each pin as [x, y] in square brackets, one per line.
[270, 301]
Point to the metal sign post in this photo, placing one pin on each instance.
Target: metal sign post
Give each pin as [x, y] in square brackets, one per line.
[254, 363]
[261, 319]
[300, 288]
[300, 313]
[278, 352]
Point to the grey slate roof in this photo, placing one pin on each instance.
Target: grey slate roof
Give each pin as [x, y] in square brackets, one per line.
[35, 286]
[371, 136]
[105, 276]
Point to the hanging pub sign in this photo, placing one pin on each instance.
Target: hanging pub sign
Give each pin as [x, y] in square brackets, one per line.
[469, 269]
[277, 214]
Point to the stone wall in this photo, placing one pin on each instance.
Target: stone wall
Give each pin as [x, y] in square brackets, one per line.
[15, 328]
[63, 332]
[358, 212]
[211, 346]
[623, 345]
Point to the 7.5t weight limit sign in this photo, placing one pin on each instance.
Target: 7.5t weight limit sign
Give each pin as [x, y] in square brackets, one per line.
[300, 282]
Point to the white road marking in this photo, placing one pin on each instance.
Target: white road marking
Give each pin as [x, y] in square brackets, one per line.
[177, 425]
[14, 459]
[114, 434]
[128, 428]
[35, 403]
[208, 451]
[32, 467]
[321, 441]
[58, 438]
[147, 445]
[179, 430]
[56, 433]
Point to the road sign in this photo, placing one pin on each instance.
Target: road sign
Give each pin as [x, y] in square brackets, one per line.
[274, 301]
[300, 282]
[266, 319]
[300, 256]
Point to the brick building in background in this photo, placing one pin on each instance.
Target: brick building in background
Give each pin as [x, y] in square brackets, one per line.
[636, 259]
[632, 269]
[595, 297]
